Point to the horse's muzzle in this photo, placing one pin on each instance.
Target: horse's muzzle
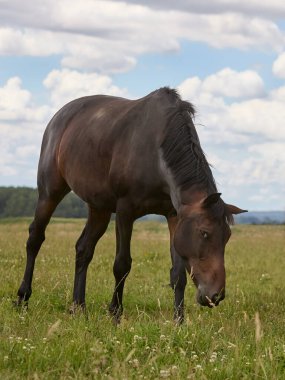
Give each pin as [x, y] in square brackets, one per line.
[212, 301]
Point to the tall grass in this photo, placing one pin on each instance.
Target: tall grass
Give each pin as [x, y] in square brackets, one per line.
[243, 338]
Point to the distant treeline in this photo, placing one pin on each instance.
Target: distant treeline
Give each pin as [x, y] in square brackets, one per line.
[21, 201]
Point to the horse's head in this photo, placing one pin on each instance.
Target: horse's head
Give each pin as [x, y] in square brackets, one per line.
[200, 239]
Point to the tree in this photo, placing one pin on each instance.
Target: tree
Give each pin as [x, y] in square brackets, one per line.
[21, 201]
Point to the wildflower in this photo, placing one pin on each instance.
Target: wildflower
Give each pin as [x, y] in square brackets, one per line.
[164, 373]
[135, 363]
[265, 277]
[213, 357]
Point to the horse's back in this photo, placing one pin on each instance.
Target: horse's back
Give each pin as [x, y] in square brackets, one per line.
[105, 147]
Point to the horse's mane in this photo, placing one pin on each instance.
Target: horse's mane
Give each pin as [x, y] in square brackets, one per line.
[181, 147]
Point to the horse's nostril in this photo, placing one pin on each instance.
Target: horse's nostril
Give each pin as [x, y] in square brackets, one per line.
[216, 298]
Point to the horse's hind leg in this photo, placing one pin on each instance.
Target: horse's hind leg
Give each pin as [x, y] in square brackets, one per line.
[96, 226]
[44, 210]
[123, 260]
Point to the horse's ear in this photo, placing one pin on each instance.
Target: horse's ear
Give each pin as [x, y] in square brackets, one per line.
[211, 199]
[234, 209]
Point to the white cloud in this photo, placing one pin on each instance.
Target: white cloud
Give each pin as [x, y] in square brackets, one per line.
[16, 103]
[13, 98]
[237, 121]
[21, 127]
[279, 66]
[20, 146]
[65, 85]
[257, 176]
[28, 41]
[22, 122]
[278, 94]
[244, 138]
[230, 83]
[110, 35]
[273, 9]
[225, 83]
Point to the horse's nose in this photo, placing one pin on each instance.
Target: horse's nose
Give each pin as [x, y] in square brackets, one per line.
[217, 298]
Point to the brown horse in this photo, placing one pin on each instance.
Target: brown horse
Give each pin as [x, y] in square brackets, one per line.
[132, 158]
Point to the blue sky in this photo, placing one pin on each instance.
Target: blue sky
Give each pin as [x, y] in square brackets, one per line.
[227, 58]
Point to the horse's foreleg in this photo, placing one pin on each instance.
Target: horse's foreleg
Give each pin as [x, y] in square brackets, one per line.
[44, 210]
[96, 226]
[178, 278]
[123, 260]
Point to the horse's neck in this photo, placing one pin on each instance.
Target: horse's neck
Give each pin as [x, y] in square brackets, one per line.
[190, 195]
[193, 195]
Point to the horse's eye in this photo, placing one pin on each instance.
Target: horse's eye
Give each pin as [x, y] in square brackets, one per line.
[204, 234]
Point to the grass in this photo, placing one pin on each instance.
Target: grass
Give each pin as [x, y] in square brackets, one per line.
[243, 338]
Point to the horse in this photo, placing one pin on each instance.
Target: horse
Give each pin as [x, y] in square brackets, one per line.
[132, 158]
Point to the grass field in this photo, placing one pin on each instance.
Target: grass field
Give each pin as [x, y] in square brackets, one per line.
[243, 338]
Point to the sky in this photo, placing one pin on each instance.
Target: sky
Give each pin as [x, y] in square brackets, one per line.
[227, 57]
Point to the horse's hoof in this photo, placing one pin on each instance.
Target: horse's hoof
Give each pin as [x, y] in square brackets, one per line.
[116, 319]
[116, 314]
[178, 319]
[20, 303]
[77, 309]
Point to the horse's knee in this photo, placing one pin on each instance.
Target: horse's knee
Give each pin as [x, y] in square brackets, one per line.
[36, 238]
[84, 255]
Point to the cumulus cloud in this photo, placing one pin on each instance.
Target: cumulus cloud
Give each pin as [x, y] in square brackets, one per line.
[244, 138]
[22, 122]
[230, 83]
[274, 9]
[279, 66]
[236, 121]
[253, 173]
[225, 83]
[16, 103]
[110, 35]
[13, 98]
[21, 127]
[20, 143]
[65, 85]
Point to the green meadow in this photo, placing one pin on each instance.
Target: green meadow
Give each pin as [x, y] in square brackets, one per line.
[242, 338]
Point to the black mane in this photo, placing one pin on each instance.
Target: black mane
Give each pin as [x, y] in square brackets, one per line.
[181, 148]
